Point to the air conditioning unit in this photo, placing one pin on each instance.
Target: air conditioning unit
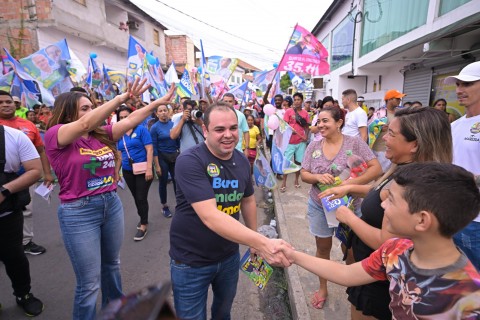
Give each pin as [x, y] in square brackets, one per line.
[134, 25]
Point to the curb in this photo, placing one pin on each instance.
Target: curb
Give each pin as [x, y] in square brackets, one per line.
[298, 304]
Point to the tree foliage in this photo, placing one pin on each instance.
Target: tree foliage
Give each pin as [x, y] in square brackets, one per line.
[285, 82]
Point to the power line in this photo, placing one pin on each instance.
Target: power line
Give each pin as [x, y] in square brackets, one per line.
[216, 28]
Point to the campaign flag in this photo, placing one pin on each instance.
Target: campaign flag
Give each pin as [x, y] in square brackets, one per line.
[136, 55]
[305, 54]
[49, 65]
[76, 68]
[94, 74]
[221, 68]
[171, 75]
[6, 65]
[239, 91]
[218, 88]
[106, 87]
[6, 81]
[261, 79]
[281, 137]
[262, 172]
[30, 83]
[184, 88]
[118, 78]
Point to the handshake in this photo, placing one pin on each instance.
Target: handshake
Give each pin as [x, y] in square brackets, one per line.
[276, 252]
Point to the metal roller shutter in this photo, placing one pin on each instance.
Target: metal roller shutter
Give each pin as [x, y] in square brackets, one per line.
[417, 85]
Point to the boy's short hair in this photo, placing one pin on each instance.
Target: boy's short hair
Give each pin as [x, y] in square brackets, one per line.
[446, 190]
[298, 94]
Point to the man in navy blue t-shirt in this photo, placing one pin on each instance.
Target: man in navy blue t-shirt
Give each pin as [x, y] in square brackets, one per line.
[213, 184]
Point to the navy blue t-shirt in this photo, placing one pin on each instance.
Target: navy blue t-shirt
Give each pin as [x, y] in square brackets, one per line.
[201, 176]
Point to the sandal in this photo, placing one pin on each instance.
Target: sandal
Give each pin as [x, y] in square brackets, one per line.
[298, 186]
[317, 301]
[283, 189]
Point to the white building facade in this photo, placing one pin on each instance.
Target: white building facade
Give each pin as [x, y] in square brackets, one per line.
[408, 45]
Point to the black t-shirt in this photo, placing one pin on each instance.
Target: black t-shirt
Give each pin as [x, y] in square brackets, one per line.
[372, 213]
[201, 176]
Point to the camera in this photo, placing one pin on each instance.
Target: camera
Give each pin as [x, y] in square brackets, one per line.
[195, 114]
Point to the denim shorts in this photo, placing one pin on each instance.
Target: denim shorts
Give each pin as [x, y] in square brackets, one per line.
[318, 221]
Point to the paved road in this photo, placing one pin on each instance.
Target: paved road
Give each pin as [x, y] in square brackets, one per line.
[143, 263]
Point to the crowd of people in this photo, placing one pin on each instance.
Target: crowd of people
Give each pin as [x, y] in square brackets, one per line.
[412, 218]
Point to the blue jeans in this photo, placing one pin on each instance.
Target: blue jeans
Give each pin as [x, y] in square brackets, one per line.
[190, 288]
[92, 230]
[468, 240]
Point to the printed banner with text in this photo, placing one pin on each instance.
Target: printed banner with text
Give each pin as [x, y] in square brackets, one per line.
[305, 54]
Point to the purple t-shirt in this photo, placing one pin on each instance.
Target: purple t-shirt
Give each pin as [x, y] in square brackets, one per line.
[314, 161]
[85, 167]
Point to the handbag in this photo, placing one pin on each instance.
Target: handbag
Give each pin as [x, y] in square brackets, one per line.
[18, 200]
[301, 121]
[138, 167]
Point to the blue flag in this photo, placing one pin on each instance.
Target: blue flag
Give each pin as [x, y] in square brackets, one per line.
[136, 55]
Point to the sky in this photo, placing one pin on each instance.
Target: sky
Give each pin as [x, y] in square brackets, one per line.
[256, 31]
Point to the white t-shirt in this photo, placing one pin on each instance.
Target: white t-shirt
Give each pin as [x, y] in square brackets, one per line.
[466, 145]
[18, 149]
[353, 120]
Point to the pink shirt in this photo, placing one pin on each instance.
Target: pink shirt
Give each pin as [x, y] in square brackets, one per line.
[298, 132]
[85, 167]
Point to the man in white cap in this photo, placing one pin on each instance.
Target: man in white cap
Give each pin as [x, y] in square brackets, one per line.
[361, 104]
[466, 148]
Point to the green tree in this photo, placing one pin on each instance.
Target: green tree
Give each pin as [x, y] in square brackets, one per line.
[285, 82]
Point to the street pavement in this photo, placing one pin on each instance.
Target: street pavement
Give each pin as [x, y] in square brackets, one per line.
[291, 212]
[147, 262]
[142, 263]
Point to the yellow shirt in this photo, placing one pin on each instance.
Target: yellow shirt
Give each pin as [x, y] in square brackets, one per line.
[253, 133]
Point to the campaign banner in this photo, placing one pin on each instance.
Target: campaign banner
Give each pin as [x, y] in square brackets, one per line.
[305, 54]
[106, 86]
[239, 91]
[262, 172]
[221, 68]
[94, 73]
[118, 78]
[6, 81]
[281, 137]
[31, 85]
[261, 79]
[49, 65]
[185, 86]
[136, 55]
[5, 65]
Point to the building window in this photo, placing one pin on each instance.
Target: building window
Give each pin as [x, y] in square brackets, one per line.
[82, 2]
[342, 42]
[449, 5]
[385, 21]
[156, 37]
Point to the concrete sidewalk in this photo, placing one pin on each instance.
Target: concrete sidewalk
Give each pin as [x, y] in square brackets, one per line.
[292, 224]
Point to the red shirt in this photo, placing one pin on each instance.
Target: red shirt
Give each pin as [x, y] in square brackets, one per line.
[26, 127]
[299, 133]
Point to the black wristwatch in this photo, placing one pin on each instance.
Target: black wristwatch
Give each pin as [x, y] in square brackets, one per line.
[5, 192]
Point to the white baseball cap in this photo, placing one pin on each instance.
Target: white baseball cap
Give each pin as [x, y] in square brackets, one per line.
[468, 74]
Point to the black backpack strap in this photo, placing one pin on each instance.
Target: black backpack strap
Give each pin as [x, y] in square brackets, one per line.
[2, 149]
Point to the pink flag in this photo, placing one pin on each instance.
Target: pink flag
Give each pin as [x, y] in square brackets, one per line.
[305, 54]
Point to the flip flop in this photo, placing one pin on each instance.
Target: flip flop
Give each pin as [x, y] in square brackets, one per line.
[298, 186]
[317, 301]
[283, 189]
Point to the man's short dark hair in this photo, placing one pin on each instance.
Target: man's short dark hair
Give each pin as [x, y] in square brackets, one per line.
[5, 93]
[371, 108]
[446, 190]
[278, 96]
[350, 92]
[191, 103]
[298, 94]
[220, 105]
[228, 94]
